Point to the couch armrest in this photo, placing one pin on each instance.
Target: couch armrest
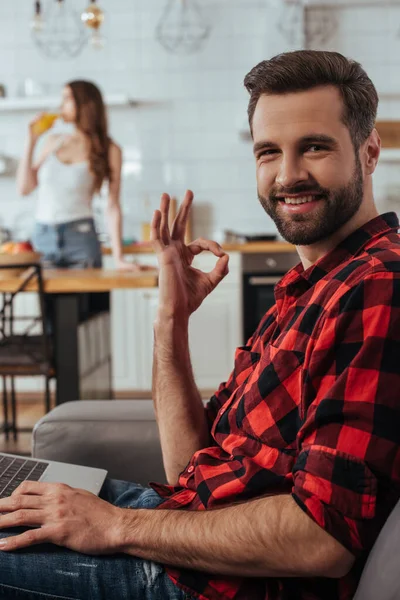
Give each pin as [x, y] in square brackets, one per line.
[118, 435]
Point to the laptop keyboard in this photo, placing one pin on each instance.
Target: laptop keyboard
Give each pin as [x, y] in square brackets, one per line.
[14, 471]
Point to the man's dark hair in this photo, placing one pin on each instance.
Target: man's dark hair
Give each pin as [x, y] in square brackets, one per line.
[307, 69]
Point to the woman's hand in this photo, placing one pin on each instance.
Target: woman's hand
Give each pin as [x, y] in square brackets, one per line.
[61, 515]
[124, 265]
[32, 127]
[182, 287]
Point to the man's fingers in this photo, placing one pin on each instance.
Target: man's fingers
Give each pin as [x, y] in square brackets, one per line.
[220, 270]
[37, 488]
[20, 501]
[202, 245]
[164, 228]
[179, 225]
[28, 538]
[22, 518]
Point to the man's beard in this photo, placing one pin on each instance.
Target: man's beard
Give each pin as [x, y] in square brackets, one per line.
[336, 208]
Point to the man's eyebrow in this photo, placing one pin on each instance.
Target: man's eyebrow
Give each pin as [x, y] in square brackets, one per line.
[312, 138]
[318, 137]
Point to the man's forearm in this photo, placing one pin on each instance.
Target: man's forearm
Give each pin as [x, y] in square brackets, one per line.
[267, 537]
[178, 405]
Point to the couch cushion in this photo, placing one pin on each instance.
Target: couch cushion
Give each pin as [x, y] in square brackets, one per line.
[381, 576]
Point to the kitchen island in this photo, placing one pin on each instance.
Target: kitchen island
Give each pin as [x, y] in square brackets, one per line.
[78, 308]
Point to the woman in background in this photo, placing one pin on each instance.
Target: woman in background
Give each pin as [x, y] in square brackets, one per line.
[69, 171]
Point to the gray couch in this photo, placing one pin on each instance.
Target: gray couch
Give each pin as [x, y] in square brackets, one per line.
[121, 436]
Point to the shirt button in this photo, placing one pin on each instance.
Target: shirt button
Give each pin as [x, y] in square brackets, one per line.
[190, 469]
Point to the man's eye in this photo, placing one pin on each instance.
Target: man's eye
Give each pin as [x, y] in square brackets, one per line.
[315, 148]
[267, 153]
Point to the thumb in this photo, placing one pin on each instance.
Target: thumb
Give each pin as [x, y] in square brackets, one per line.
[220, 270]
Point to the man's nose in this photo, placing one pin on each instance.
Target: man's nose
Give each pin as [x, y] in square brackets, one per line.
[291, 172]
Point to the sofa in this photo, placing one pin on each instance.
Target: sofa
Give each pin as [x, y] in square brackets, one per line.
[122, 437]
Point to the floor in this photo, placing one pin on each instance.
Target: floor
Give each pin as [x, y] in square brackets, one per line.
[28, 413]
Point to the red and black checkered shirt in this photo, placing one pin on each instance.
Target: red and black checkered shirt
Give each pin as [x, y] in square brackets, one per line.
[311, 409]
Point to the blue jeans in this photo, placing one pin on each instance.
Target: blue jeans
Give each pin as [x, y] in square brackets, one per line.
[48, 572]
[73, 245]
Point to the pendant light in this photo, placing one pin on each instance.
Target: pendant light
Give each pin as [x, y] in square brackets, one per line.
[93, 18]
[63, 35]
[182, 28]
[37, 19]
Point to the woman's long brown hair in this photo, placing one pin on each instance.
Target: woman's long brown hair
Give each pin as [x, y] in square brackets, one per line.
[91, 119]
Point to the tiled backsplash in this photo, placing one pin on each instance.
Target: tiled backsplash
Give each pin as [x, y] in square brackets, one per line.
[189, 137]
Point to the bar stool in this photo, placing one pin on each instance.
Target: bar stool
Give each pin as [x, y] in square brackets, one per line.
[25, 342]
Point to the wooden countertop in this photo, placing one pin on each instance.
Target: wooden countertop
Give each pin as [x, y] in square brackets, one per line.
[249, 248]
[64, 281]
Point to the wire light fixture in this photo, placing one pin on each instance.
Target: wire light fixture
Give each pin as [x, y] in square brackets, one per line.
[58, 32]
[305, 24]
[291, 20]
[182, 28]
[37, 19]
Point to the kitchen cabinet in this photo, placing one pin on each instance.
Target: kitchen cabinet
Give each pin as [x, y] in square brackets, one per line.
[214, 333]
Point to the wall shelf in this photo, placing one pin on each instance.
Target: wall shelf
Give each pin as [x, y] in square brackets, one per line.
[390, 155]
[37, 103]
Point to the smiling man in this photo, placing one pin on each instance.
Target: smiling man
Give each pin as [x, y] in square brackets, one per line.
[278, 490]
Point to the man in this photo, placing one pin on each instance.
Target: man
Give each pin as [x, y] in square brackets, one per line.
[279, 489]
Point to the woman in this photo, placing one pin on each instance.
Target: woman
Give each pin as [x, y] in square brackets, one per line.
[69, 171]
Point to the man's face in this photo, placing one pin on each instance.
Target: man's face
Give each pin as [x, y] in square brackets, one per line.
[309, 177]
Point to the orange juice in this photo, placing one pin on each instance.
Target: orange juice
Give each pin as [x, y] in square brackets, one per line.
[45, 122]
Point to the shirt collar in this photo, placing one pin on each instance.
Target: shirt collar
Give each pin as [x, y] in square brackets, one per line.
[348, 248]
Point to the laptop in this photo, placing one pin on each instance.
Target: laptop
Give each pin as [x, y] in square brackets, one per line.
[16, 469]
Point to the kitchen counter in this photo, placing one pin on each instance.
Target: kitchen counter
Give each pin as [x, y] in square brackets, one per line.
[247, 248]
[71, 281]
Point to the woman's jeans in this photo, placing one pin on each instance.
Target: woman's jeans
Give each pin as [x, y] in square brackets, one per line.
[73, 245]
[48, 572]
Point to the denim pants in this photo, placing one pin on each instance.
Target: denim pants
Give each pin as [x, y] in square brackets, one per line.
[49, 572]
[73, 245]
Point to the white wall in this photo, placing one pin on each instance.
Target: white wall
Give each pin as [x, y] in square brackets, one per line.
[191, 138]
[371, 35]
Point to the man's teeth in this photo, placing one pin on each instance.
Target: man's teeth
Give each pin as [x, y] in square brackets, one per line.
[300, 200]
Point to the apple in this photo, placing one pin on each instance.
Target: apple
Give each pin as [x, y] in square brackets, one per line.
[20, 247]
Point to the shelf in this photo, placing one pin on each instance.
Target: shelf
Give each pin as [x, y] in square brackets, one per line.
[390, 155]
[37, 103]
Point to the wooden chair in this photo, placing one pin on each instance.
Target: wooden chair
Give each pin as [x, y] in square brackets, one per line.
[25, 342]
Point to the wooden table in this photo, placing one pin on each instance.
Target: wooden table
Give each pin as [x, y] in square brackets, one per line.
[78, 281]
[78, 308]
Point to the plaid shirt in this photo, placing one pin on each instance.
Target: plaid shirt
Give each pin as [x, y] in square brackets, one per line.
[312, 409]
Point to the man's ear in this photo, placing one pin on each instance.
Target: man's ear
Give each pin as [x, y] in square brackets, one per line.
[372, 150]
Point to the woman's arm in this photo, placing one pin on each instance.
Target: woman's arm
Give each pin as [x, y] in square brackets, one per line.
[114, 214]
[27, 171]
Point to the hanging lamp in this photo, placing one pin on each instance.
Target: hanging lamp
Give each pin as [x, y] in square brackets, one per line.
[93, 18]
[37, 22]
[63, 36]
[182, 28]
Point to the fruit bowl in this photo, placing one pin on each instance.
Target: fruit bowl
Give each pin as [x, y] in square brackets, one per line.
[21, 258]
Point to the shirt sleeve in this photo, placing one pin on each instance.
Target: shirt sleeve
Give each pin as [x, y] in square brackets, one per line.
[346, 477]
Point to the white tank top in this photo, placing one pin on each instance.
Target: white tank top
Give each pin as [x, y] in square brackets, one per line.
[65, 191]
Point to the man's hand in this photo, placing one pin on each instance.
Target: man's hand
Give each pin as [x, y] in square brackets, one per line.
[61, 515]
[182, 287]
